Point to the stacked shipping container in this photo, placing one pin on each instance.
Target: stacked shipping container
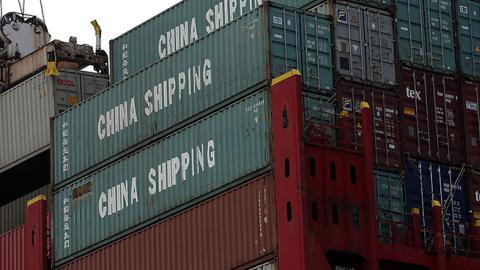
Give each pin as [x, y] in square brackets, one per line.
[187, 120]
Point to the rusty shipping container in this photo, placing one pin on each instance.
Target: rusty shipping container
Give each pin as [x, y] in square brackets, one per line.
[12, 249]
[228, 231]
[431, 116]
[386, 123]
[191, 84]
[12, 214]
[471, 114]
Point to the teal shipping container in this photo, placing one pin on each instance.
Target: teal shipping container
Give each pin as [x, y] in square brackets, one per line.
[203, 159]
[390, 197]
[190, 84]
[425, 34]
[468, 16]
[176, 28]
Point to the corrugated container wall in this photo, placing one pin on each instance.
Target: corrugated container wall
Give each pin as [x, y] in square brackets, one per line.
[12, 249]
[28, 107]
[364, 42]
[193, 162]
[471, 117]
[174, 29]
[13, 214]
[431, 116]
[225, 232]
[468, 17]
[425, 181]
[190, 84]
[386, 123]
[425, 34]
[390, 198]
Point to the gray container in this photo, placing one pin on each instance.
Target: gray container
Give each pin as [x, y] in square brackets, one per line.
[25, 111]
[364, 41]
[13, 214]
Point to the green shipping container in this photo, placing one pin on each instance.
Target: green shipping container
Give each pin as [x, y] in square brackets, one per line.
[172, 174]
[190, 84]
[390, 197]
[174, 29]
[426, 34]
[468, 16]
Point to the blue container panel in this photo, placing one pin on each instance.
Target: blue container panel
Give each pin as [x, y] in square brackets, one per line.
[426, 181]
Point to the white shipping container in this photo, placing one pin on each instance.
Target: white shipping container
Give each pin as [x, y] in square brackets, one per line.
[25, 111]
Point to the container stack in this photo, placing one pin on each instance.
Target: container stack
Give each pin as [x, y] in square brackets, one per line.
[272, 135]
[39, 78]
[183, 136]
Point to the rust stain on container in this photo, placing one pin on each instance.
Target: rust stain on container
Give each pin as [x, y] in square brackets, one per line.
[227, 231]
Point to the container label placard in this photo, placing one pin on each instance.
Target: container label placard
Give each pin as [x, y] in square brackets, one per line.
[160, 97]
[193, 162]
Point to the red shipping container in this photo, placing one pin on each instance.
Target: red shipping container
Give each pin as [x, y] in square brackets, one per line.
[471, 114]
[12, 249]
[386, 127]
[232, 230]
[431, 116]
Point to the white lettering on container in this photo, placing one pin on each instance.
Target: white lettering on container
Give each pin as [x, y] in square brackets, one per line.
[118, 198]
[116, 119]
[165, 93]
[177, 38]
[165, 175]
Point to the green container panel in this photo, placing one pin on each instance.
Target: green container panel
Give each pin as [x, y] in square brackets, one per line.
[426, 34]
[234, 68]
[390, 197]
[301, 40]
[174, 173]
[81, 138]
[140, 47]
[468, 16]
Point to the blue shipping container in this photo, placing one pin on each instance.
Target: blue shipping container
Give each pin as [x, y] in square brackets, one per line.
[426, 181]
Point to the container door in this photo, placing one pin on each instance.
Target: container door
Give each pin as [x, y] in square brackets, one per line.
[468, 16]
[411, 32]
[447, 116]
[284, 41]
[317, 69]
[439, 23]
[390, 196]
[349, 37]
[425, 31]
[426, 181]
[380, 48]
[386, 128]
[414, 97]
